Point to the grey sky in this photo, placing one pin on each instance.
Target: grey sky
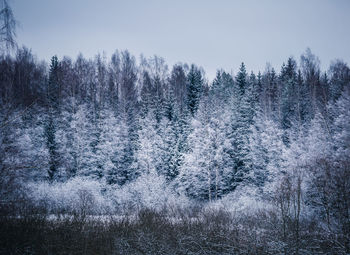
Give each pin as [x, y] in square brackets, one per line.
[213, 34]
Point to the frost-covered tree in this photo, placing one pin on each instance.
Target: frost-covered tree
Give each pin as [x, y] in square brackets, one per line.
[177, 82]
[195, 86]
[339, 73]
[272, 144]
[150, 151]
[121, 166]
[10, 168]
[288, 91]
[114, 80]
[172, 137]
[74, 140]
[201, 173]
[270, 92]
[328, 164]
[242, 80]
[238, 161]
[51, 123]
[222, 88]
[342, 126]
[310, 65]
[7, 26]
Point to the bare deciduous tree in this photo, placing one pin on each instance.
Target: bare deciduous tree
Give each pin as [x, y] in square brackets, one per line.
[7, 27]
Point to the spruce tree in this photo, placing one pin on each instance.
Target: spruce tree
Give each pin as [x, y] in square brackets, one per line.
[171, 136]
[194, 89]
[289, 90]
[238, 162]
[50, 126]
[241, 79]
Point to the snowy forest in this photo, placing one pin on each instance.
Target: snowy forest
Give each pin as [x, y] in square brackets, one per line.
[246, 163]
[133, 134]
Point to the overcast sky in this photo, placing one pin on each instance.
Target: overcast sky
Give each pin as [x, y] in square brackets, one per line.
[213, 34]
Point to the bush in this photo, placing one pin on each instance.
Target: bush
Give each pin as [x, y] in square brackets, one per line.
[147, 191]
[76, 196]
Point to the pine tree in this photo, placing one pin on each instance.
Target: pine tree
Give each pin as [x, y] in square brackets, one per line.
[194, 89]
[288, 104]
[221, 88]
[270, 94]
[301, 100]
[50, 125]
[258, 152]
[241, 79]
[50, 132]
[237, 159]
[171, 135]
[178, 82]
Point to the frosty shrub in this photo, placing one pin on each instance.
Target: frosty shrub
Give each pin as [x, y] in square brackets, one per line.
[245, 199]
[77, 195]
[148, 191]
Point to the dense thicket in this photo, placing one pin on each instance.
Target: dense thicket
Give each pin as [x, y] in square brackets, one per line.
[139, 133]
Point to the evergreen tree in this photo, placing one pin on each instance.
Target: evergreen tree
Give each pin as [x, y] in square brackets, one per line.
[171, 136]
[130, 169]
[288, 104]
[194, 89]
[50, 132]
[258, 91]
[301, 101]
[221, 88]
[241, 79]
[178, 82]
[240, 143]
[238, 161]
[270, 93]
[114, 81]
[50, 125]
[259, 153]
